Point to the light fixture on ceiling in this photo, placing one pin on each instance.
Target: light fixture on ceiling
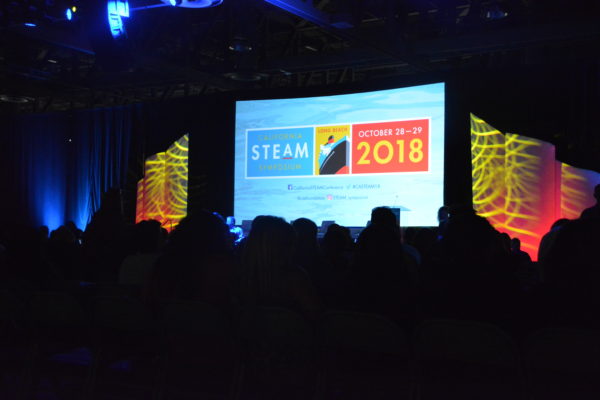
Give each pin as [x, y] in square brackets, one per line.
[193, 3]
[116, 11]
[15, 99]
[246, 76]
[240, 44]
[494, 12]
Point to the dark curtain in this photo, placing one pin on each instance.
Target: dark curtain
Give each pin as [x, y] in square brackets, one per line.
[61, 164]
[99, 158]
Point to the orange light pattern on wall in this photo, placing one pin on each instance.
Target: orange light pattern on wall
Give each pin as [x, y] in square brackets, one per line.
[520, 187]
[162, 193]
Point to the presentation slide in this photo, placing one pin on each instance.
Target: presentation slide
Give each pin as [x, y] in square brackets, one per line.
[335, 158]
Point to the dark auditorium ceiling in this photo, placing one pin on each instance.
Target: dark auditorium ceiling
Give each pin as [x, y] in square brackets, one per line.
[255, 44]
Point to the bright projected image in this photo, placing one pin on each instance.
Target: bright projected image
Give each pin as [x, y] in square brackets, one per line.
[334, 158]
[520, 187]
[162, 192]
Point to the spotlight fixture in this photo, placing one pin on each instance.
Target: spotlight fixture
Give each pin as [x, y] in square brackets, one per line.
[30, 24]
[70, 13]
[116, 11]
[193, 3]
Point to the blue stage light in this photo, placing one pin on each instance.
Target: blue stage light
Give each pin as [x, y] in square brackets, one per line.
[117, 10]
[193, 3]
[30, 24]
[69, 14]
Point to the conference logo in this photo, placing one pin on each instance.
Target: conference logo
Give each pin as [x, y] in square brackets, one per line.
[345, 149]
[279, 152]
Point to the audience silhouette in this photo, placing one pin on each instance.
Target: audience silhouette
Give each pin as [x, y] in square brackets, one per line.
[196, 264]
[269, 275]
[464, 269]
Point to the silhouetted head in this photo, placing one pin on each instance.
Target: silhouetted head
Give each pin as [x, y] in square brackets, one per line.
[471, 238]
[201, 233]
[515, 244]
[559, 223]
[63, 235]
[505, 240]
[383, 216]
[573, 259]
[269, 249]
[337, 239]
[270, 243]
[71, 225]
[147, 236]
[306, 229]
[443, 214]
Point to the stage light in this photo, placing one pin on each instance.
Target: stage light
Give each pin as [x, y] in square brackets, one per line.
[193, 3]
[74, 9]
[495, 12]
[30, 24]
[69, 14]
[117, 10]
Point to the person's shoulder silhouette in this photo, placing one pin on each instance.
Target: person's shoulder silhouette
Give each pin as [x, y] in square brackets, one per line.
[593, 211]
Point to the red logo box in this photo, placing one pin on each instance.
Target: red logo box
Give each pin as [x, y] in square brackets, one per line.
[398, 146]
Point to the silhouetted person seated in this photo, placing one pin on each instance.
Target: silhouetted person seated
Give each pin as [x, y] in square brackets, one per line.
[104, 239]
[197, 263]
[442, 216]
[380, 281]
[549, 238]
[425, 241]
[64, 254]
[522, 257]
[307, 252]
[475, 278]
[572, 277]
[78, 233]
[337, 249]
[136, 268]
[593, 211]
[268, 275]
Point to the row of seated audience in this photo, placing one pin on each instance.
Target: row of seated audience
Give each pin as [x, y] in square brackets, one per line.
[464, 269]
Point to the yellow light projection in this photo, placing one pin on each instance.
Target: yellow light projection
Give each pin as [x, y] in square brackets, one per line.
[576, 190]
[488, 165]
[520, 187]
[162, 193]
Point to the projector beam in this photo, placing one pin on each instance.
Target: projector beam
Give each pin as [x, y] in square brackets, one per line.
[304, 10]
